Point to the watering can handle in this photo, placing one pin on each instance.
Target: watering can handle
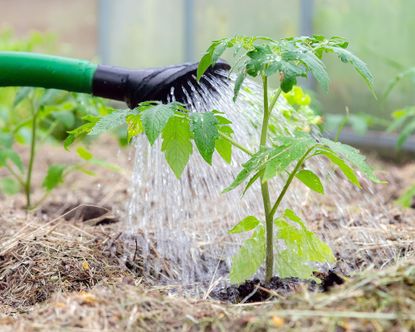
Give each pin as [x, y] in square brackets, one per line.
[45, 71]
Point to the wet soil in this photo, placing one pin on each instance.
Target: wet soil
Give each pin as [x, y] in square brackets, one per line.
[256, 291]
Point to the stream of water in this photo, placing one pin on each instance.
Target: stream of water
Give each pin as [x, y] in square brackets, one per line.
[185, 222]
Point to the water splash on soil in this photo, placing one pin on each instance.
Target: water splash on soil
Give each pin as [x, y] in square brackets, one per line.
[186, 221]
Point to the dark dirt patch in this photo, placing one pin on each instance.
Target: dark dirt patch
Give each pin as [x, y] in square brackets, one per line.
[91, 214]
[256, 291]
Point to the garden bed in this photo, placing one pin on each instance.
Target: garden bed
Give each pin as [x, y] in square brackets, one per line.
[64, 270]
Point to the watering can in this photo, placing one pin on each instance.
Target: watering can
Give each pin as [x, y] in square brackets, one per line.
[129, 85]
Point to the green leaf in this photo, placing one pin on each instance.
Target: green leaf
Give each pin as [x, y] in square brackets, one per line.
[348, 57]
[9, 186]
[311, 180]
[238, 84]
[254, 164]
[249, 258]
[54, 177]
[177, 145]
[251, 181]
[294, 148]
[245, 225]
[81, 131]
[205, 131]
[317, 68]
[302, 248]
[211, 56]
[354, 157]
[134, 126]
[84, 153]
[346, 169]
[110, 121]
[13, 156]
[155, 118]
[407, 198]
[66, 118]
[223, 146]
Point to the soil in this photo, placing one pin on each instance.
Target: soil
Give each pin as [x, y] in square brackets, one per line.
[252, 291]
[62, 268]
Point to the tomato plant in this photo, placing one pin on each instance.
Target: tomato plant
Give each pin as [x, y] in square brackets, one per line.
[277, 153]
[29, 117]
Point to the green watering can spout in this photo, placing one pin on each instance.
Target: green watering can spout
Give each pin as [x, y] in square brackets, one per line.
[129, 85]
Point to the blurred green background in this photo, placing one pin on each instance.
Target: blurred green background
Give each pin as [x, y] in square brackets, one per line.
[146, 33]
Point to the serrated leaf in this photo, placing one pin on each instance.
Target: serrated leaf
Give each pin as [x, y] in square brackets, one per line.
[311, 180]
[301, 249]
[249, 258]
[245, 225]
[254, 164]
[211, 56]
[110, 121]
[9, 186]
[134, 126]
[346, 169]
[238, 84]
[81, 131]
[294, 148]
[155, 118]
[354, 157]
[317, 68]
[205, 133]
[84, 153]
[251, 182]
[177, 145]
[54, 177]
[223, 146]
[361, 67]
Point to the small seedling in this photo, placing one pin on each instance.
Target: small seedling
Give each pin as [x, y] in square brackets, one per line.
[35, 116]
[277, 153]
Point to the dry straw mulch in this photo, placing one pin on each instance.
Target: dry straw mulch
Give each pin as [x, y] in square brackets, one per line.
[65, 275]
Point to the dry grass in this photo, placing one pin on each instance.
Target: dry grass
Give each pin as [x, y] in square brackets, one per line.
[59, 275]
[67, 276]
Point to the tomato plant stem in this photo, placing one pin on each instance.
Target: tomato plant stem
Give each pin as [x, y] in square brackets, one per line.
[269, 259]
[236, 144]
[28, 186]
[288, 183]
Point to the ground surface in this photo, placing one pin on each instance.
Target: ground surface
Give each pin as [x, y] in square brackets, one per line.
[61, 269]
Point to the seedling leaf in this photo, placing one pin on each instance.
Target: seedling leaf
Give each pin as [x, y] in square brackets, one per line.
[84, 153]
[245, 225]
[302, 248]
[54, 177]
[155, 118]
[110, 121]
[177, 145]
[353, 156]
[205, 133]
[249, 258]
[311, 180]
